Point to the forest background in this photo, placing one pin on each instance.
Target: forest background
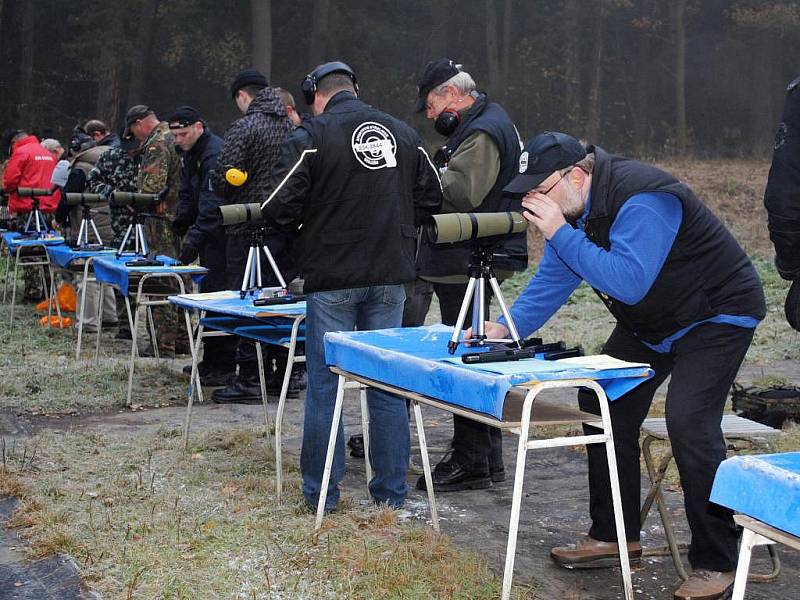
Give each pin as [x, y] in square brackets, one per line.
[642, 77]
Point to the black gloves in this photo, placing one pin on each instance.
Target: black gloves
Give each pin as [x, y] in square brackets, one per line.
[188, 254]
[179, 227]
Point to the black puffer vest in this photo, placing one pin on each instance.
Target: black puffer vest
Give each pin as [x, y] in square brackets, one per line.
[706, 273]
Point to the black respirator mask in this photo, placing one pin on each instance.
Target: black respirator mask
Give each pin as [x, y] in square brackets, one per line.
[447, 122]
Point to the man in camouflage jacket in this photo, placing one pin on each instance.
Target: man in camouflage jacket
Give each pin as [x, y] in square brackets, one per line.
[116, 169]
[159, 170]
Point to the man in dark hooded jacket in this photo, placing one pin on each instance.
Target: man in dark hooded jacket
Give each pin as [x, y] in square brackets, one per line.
[252, 145]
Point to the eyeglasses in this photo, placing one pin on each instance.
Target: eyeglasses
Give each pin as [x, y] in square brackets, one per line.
[550, 189]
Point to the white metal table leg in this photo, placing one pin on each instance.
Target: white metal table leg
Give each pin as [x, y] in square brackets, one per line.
[426, 464]
[287, 375]
[516, 502]
[616, 495]
[362, 393]
[133, 345]
[194, 383]
[750, 539]
[326, 474]
[263, 383]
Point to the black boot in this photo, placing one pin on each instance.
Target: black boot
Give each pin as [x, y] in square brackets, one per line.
[242, 391]
[451, 476]
[356, 445]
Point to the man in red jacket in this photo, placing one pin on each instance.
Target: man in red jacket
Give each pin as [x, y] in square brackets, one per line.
[30, 165]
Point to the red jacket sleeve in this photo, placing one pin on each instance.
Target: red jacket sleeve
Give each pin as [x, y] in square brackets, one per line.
[13, 172]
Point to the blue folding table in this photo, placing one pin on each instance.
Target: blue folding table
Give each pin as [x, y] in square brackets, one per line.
[116, 272]
[276, 325]
[765, 491]
[27, 252]
[76, 260]
[414, 363]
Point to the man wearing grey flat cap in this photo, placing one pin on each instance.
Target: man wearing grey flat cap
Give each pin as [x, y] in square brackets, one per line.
[686, 300]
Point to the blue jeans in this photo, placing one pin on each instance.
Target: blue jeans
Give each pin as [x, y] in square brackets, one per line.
[376, 307]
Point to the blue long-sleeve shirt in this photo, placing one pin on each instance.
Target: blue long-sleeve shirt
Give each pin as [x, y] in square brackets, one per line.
[641, 237]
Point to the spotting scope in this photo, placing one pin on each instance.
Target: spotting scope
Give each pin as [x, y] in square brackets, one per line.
[29, 192]
[82, 199]
[233, 214]
[135, 199]
[465, 227]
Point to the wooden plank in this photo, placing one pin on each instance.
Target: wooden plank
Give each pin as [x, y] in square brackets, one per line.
[761, 528]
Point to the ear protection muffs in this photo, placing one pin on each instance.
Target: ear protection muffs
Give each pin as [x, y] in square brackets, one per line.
[447, 122]
[309, 84]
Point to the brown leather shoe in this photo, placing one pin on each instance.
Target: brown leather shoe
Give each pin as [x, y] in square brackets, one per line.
[706, 585]
[594, 554]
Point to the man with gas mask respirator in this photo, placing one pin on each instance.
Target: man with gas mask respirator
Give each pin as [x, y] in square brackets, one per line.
[479, 158]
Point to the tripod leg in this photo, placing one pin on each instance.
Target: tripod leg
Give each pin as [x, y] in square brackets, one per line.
[96, 233]
[504, 309]
[141, 239]
[462, 315]
[479, 311]
[246, 277]
[125, 239]
[81, 231]
[258, 268]
[274, 266]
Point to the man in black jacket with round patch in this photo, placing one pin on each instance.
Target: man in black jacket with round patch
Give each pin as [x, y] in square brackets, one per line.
[358, 182]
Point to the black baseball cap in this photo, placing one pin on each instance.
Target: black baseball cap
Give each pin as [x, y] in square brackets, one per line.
[135, 112]
[436, 73]
[183, 117]
[542, 156]
[248, 77]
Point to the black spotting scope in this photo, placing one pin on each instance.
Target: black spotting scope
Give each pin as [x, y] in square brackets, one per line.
[233, 214]
[29, 192]
[134, 199]
[465, 227]
[82, 199]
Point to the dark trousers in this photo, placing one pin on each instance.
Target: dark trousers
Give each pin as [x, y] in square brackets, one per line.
[703, 365]
[478, 447]
[218, 352]
[237, 249]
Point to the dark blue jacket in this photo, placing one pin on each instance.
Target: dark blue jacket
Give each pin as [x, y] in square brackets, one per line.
[197, 202]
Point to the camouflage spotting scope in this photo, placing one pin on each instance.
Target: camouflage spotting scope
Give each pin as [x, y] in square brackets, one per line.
[30, 192]
[464, 227]
[135, 199]
[233, 214]
[77, 199]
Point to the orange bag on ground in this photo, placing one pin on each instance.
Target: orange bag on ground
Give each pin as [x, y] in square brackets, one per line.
[55, 322]
[67, 298]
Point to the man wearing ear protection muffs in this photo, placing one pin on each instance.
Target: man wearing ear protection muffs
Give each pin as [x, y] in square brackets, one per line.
[782, 200]
[353, 182]
[479, 158]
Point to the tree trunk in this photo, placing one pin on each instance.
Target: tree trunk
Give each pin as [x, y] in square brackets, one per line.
[261, 13]
[505, 55]
[25, 108]
[681, 133]
[572, 75]
[145, 32]
[598, 51]
[318, 47]
[492, 50]
[437, 41]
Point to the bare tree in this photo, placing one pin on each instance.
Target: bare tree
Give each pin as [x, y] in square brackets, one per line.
[261, 13]
[678, 8]
[318, 45]
[109, 72]
[598, 55]
[145, 29]
[26, 62]
[572, 73]
[492, 49]
[438, 38]
[505, 54]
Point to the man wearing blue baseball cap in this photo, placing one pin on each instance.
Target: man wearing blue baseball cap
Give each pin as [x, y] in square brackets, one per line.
[686, 300]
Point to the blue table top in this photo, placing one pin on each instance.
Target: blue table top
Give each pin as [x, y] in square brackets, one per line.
[112, 270]
[13, 240]
[230, 303]
[63, 255]
[416, 359]
[765, 487]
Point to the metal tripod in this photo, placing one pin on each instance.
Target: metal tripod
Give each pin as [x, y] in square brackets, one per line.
[481, 271]
[40, 224]
[83, 232]
[140, 241]
[251, 282]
